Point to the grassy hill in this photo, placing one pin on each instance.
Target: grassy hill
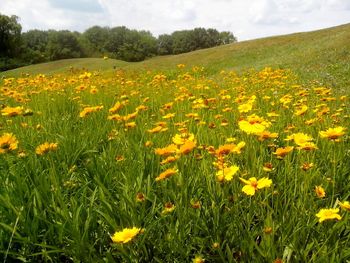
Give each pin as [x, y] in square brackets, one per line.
[322, 54]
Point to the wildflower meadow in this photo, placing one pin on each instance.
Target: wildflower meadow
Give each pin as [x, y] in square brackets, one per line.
[174, 166]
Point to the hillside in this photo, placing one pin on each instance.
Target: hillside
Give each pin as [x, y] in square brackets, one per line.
[322, 54]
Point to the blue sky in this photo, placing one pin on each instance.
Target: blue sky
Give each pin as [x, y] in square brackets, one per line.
[245, 19]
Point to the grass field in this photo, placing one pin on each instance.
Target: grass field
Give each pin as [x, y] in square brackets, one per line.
[232, 154]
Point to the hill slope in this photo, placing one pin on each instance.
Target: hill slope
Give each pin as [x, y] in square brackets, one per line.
[322, 55]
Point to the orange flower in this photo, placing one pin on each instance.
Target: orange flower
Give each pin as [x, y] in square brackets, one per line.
[168, 150]
[320, 192]
[283, 151]
[166, 174]
[187, 147]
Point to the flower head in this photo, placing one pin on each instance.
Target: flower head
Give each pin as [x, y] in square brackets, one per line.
[166, 174]
[8, 142]
[126, 235]
[328, 214]
[45, 148]
[227, 173]
[333, 133]
[282, 152]
[252, 184]
[320, 192]
[345, 205]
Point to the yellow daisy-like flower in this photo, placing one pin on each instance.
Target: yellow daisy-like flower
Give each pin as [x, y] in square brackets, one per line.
[168, 208]
[252, 184]
[345, 205]
[320, 192]
[45, 148]
[187, 147]
[166, 174]
[126, 235]
[8, 142]
[299, 138]
[198, 259]
[328, 214]
[227, 173]
[282, 152]
[12, 111]
[87, 110]
[251, 128]
[333, 133]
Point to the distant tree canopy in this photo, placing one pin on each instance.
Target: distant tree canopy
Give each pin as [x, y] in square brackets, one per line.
[34, 46]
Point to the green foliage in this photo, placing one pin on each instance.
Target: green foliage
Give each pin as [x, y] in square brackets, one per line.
[63, 44]
[37, 46]
[10, 36]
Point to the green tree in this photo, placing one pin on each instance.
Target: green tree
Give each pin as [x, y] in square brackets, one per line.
[10, 36]
[227, 37]
[98, 37]
[63, 44]
[165, 44]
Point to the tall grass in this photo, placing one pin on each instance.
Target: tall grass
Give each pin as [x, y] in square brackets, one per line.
[64, 205]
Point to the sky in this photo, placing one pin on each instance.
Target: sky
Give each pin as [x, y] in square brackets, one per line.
[246, 19]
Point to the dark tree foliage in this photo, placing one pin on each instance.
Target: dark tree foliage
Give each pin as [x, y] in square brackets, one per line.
[10, 42]
[34, 46]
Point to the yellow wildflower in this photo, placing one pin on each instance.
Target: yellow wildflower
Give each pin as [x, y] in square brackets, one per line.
[227, 173]
[320, 192]
[8, 142]
[252, 184]
[12, 111]
[345, 205]
[328, 214]
[45, 148]
[282, 152]
[166, 174]
[126, 235]
[333, 133]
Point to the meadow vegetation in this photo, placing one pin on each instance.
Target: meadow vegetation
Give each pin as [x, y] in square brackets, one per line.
[233, 154]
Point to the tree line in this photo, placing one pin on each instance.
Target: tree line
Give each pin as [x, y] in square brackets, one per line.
[19, 48]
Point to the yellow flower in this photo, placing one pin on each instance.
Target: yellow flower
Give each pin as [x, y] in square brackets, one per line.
[253, 184]
[320, 192]
[227, 173]
[245, 107]
[308, 146]
[168, 150]
[130, 125]
[126, 235]
[117, 106]
[45, 148]
[328, 214]
[307, 166]
[180, 139]
[299, 138]
[8, 142]
[169, 159]
[267, 135]
[168, 208]
[166, 174]
[187, 147]
[300, 110]
[345, 205]
[333, 133]
[282, 152]
[12, 111]
[251, 128]
[198, 259]
[87, 110]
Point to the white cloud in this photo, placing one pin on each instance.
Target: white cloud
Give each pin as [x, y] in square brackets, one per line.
[246, 19]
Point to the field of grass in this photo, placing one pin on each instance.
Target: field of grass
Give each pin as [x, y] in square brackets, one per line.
[233, 154]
